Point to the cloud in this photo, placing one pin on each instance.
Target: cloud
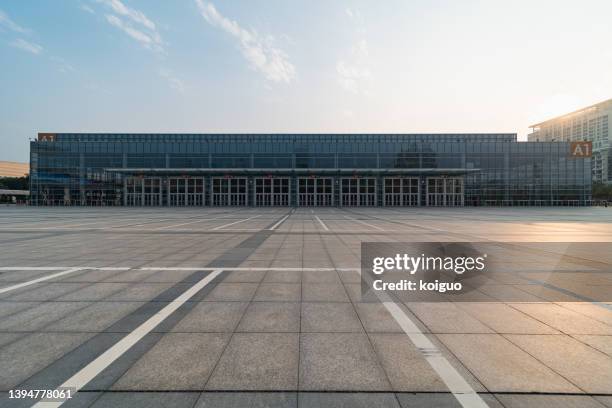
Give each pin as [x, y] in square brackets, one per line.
[62, 65]
[260, 52]
[353, 69]
[26, 46]
[173, 81]
[135, 24]
[5, 21]
[133, 14]
[87, 9]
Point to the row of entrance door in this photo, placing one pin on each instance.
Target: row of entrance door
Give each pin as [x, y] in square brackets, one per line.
[276, 191]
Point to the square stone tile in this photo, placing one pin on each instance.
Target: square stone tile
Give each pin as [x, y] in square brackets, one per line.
[271, 317]
[350, 276]
[505, 319]
[563, 319]
[324, 292]
[503, 367]
[258, 361]
[446, 318]
[405, 365]
[330, 317]
[37, 317]
[247, 400]
[347, 400]
[94, 318]
[446, 400]
[43, 291]
[283, 277]
[320, 276]
[340, 362]
[278, 292]
[94, 291]
[30, 354]
[9, 308]
[232, 292]
[244, 277]
[179, 361]
[376, 318]
[601, 343]
[212, 317]
[147, 400]
[585, 367]
[548, 401]
[140, 292]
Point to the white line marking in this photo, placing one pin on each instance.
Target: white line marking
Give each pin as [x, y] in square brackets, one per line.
[59, 268]
[138, 224]
[364, 223]
[275, 226]
[235, 222]
[91, 370]
[42, 279]
[321, 222]
[185, 223]
[457, 385]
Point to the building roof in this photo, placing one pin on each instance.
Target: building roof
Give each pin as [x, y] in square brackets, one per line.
[576, 112]
[13, 169]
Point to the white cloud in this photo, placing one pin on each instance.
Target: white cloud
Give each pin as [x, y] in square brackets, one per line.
[62, 65]
[6, 21]
[26, 46]
[260, 52]
[133, 14]
[87, 9]
[135, 24]
[174, 82]
[352, 77]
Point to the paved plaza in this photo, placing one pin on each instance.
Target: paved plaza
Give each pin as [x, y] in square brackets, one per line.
[262, 307]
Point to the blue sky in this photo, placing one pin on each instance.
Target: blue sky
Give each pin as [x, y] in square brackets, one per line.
[296, 66]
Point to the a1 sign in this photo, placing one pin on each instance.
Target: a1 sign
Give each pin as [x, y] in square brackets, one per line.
[46, 137]
[581, 149]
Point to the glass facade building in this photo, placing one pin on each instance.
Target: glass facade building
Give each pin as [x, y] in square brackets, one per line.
[304, 170]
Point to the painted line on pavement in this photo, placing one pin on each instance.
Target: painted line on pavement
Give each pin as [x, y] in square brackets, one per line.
[275, 226]
[234, 223]
[322, 223]
[184, 223]
[363, 222]
[457, 385]
[42, 279]
[91, 370]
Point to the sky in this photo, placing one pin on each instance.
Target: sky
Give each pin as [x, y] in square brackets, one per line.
[300, 66]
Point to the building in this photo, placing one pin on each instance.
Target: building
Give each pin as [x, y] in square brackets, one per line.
[590, 123]
[304, 170]
[13, 169]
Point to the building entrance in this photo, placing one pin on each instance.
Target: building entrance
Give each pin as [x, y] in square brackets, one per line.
[445, 191]
[272, 191]
[186, 191]
[143, 191]
[401, 191]
[315, 191]
[229, 191]
[356, 191]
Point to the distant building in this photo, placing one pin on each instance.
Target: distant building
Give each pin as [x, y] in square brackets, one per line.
[590, 123]
[101, 169]
[13, 169]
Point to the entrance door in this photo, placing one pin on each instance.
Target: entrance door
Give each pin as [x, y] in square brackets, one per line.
[143, 191]
[229, 191]
[186, 191]
[445, 191]
[315, 191]
[358, 191]
[401, 191]
[272, 191]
